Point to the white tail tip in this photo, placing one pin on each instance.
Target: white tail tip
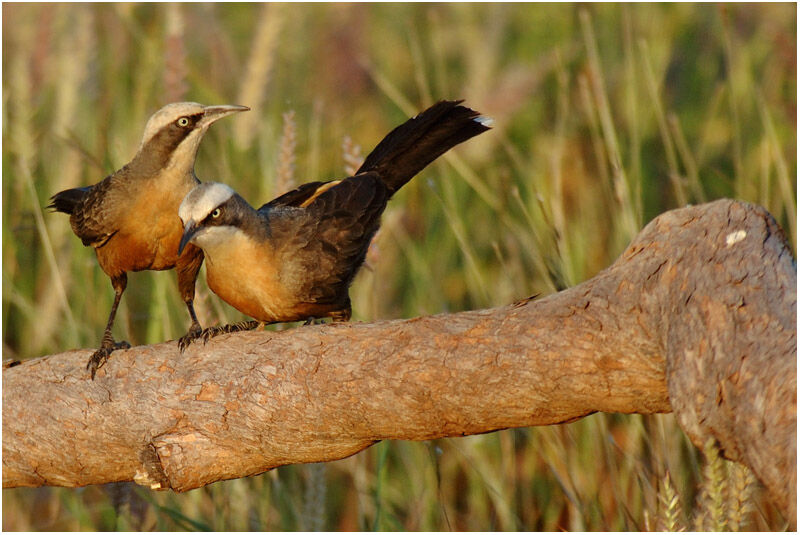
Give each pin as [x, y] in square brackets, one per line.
[485, 121]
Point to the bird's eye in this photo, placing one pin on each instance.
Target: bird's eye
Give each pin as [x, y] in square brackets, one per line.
[216, 213]
[183, 122]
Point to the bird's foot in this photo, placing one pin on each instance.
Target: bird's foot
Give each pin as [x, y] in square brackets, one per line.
[341, 315]
[100, 356]
[338, 316]
[195, 332]
[210, 332]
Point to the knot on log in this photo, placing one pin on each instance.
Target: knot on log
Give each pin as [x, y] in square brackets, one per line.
[150, 473]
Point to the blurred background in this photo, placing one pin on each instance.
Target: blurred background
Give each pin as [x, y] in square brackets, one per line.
[605, 116]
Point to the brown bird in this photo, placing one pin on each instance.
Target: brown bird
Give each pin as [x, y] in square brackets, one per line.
[294, 258]
[131, 217]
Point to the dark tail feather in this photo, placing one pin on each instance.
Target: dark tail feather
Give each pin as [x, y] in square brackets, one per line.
[66, 201]
[407, 149]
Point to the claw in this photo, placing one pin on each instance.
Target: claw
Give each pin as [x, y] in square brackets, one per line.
[100, 356]
[97, 360]
[195, 332]
[208, 334]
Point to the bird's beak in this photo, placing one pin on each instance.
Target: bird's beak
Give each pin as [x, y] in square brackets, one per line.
[214, 113]
[189, 231]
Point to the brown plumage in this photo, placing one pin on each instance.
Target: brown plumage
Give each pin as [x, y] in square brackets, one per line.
[130, 218]
[294, 258]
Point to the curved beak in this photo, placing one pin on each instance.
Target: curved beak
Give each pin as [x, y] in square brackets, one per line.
[189, 231]
[214, 113]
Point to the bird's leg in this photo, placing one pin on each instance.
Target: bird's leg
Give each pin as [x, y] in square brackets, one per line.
[188, 267]
[195, 330]
[108, 345]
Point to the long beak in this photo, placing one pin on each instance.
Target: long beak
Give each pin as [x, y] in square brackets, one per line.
[189, 231]
[214, 113]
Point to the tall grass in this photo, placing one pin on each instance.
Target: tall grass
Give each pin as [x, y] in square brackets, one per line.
[605, 116]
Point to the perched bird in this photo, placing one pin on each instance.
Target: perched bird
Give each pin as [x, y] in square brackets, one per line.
[131, 217]
[294, 258]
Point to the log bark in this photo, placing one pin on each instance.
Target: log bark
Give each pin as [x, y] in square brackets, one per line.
[697, 316]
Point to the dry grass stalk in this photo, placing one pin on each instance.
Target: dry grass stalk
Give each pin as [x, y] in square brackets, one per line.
[175, 70]
[666, 139]
[740, 487]
[781, 167]
[76, 42]
[285, 180]
[689, 161]
[259, 65]
[23, 147]
[352, 156]
[670, 506]
[629, 218]
[711, 514]
[313, 518]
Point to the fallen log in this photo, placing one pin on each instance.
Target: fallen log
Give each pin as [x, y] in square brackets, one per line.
[698, 316]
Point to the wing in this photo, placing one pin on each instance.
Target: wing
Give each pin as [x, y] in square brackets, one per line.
[295, 197]
[322, 244]
[96, 218]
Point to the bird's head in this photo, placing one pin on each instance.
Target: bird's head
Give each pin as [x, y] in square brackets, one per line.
[209, 214]
[173, 133]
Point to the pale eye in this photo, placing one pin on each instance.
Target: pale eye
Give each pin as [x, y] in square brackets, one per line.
[183, 122]
[215, 214]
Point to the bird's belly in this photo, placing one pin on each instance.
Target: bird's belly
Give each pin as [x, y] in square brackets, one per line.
[247, 280]
[149, 237]
[155, 247]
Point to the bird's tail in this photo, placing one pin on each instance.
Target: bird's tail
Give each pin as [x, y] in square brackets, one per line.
[407, 149]
[66, 201]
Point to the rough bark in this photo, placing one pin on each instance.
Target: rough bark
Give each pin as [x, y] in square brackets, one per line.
[697, 316]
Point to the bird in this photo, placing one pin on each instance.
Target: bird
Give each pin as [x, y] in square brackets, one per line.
[130, 218]
[294, 258]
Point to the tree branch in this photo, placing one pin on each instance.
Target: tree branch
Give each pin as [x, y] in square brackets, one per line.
[697, 316]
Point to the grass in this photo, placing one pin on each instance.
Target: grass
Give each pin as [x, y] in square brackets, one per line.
[606, 115]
